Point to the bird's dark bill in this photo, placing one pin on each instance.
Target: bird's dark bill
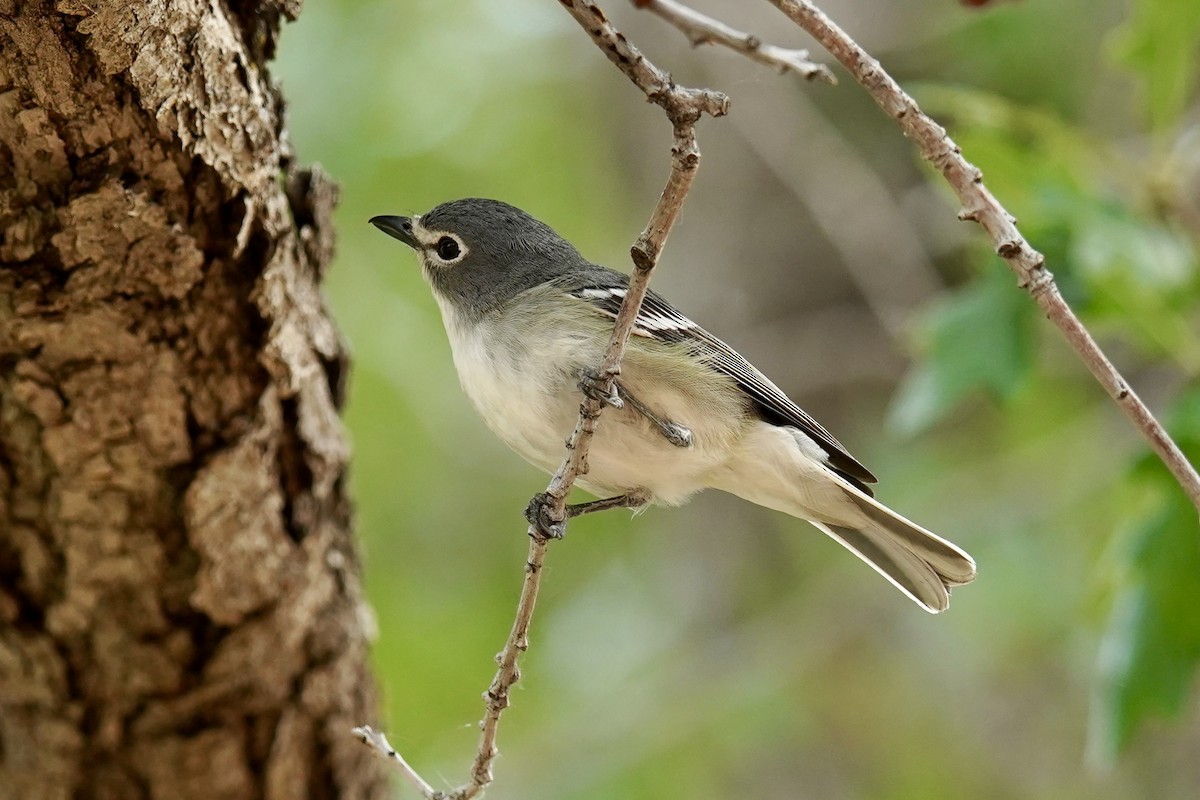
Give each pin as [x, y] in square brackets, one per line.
[396, 227]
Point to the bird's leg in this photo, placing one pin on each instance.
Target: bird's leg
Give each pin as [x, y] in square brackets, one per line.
[674, 433]
[591, 384]
[633, 499]
[538, 510]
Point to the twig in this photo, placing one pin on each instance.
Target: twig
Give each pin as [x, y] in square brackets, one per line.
[684, 107]
[701, 29]
[495, 699]
[681, 104]
[980, 206]
[379, 743]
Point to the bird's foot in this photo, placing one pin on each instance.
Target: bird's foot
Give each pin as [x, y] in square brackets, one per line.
[592, 384]
[673, 432]
[539, 515]
[676, 434]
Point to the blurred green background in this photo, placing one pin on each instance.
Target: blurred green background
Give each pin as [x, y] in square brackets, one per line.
[721, 650]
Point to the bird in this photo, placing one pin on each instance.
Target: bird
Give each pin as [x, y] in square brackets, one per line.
[528, 317]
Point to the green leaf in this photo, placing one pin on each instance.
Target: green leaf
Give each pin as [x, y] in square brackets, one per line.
[1142, 279]
[1161, 42]
[981, 339]
[1039, 164]
[1126, 270]
[1151, 648]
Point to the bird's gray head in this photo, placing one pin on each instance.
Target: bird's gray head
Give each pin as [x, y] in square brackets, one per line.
[477, 254]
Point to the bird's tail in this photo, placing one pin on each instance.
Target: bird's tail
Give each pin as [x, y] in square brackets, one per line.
[921, 564]
[775, 467]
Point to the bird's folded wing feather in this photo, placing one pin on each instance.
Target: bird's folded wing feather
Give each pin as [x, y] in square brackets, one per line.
[604, 290]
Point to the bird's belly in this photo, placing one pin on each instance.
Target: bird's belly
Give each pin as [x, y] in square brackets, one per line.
[533, 410]
[523, 415]
[628, 453]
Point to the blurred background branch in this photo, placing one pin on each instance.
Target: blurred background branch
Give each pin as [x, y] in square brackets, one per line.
[382, 747]
[701, 29]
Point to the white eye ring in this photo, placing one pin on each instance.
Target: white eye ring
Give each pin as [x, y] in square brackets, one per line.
[449, 249]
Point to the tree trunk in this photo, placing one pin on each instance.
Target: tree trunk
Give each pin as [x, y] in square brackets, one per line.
[180, 605]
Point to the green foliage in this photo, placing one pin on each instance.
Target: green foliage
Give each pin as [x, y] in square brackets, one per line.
[979, 339]
[1150, 653]
[1161, 44]
[1132, 273]
[1123, 268]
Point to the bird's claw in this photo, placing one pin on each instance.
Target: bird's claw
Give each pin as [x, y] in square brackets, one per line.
[537, 513]
[677, 434]
[592, 384]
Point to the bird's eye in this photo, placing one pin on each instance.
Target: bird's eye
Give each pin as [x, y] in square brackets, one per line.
[447, 249]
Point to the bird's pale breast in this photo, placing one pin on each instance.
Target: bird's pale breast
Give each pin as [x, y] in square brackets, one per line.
[532, 403]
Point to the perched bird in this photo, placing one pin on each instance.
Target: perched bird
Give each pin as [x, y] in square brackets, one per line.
[528, 317]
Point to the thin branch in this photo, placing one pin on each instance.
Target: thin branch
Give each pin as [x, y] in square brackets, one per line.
[495, 699]
[683, 107]
[701, 29]
[980, 206]
[681, 104]
[379, 743]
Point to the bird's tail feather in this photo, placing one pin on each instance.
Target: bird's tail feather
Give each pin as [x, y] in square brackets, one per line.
[921, 564]
[950, 562]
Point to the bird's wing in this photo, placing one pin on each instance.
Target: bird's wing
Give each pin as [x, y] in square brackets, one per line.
[604, 290]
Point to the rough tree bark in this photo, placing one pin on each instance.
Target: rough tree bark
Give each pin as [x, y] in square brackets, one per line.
[180, 606]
